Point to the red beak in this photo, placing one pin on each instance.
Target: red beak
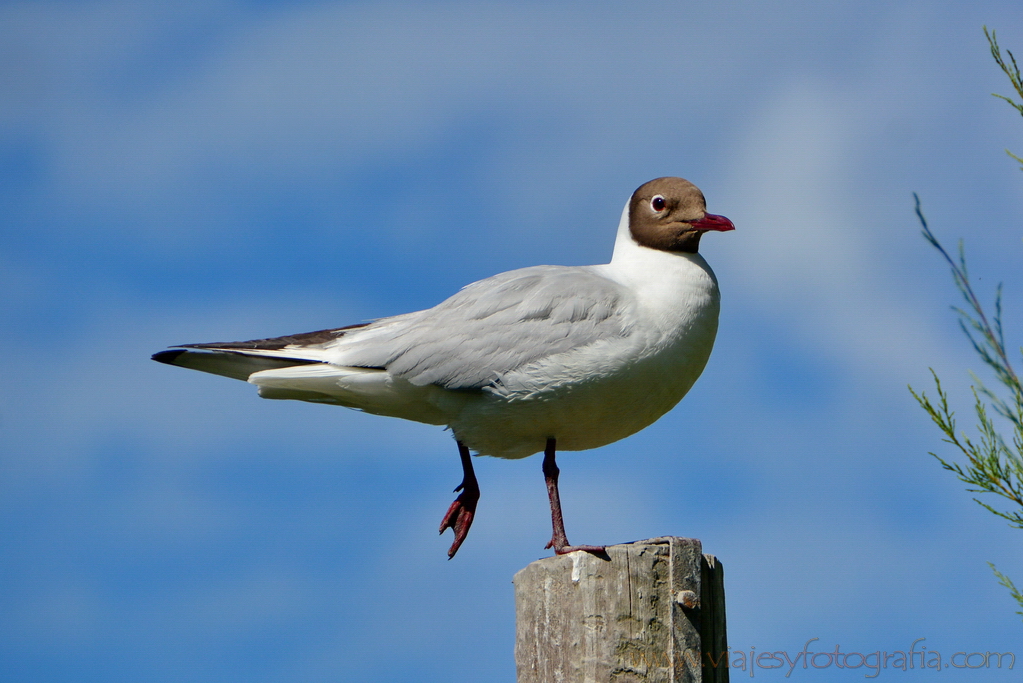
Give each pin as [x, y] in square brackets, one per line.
[713, 222]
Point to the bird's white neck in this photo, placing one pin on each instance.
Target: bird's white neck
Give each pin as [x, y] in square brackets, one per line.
[634, 262]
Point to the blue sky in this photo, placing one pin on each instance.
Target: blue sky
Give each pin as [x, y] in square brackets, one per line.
[187, 172]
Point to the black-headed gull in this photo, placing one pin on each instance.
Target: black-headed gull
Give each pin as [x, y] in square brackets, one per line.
[526, 361]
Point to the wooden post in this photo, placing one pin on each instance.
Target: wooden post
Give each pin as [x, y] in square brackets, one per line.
[654, 611]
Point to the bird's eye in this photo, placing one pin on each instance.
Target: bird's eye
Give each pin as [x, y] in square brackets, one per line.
[658, 203]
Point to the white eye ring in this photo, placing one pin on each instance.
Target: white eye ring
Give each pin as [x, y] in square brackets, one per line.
[658, 203]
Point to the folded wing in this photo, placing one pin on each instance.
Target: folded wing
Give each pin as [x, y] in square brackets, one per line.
[492, 327]
[489, 328]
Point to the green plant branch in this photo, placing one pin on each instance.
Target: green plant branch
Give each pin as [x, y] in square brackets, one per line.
[992, 347]
[1007, 582]
[992, 466]
[1011, 69]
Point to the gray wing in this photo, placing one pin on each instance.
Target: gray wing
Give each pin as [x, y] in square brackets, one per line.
[492, 327]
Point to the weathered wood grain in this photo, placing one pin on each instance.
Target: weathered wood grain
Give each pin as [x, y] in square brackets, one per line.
[635, 616]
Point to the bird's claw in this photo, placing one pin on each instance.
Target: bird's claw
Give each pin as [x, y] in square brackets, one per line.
[459, 518]
[564, 548]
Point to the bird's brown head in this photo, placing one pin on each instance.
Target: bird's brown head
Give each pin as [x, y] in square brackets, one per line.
[670, 214]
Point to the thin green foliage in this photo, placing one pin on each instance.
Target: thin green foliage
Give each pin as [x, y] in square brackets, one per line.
[1007, 582]
[1011, 70]
[992, 465]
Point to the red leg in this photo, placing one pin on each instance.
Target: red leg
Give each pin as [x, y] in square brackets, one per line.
[459, 516]
[558, 539]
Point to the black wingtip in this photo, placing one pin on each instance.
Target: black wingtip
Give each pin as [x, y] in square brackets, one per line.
[168, 356]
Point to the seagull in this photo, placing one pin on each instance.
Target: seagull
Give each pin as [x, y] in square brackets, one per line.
[531, 360]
